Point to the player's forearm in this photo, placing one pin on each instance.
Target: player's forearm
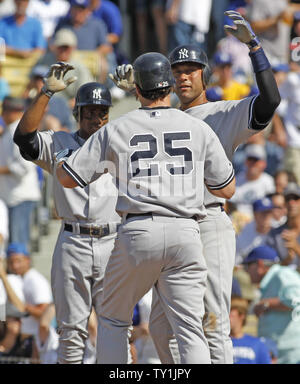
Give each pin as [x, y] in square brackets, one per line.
[268, 99]
[226, 192]
[64, 178]
[4, 171]
[36, 310]
[33, 116]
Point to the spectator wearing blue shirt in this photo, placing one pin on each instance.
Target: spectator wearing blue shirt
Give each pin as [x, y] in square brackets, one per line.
[110, 14]
[278, 310]
[247, 349]
[23, 35]
[91, 33]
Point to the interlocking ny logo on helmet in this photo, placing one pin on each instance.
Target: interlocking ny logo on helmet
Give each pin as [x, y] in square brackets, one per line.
[183, 53]
[97, 93]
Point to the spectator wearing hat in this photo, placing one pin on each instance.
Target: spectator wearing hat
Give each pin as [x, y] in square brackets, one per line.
[62, 48]
[252, 183]
[279, 210]
[286, 238]
[19, 186]
[278, 307]
[91, 32]
[255, 233]
[225, 87]
[247, 349]
[22, 34]
[36, 288]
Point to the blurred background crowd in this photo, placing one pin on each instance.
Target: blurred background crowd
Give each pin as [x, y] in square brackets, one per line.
[95, 36]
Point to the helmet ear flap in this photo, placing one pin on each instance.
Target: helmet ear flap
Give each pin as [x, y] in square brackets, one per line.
[206, 74]
[75, 113]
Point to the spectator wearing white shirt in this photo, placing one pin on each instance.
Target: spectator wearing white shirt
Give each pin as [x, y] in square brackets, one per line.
[3, 227]
[36, 288]
[289, 111]
[19, 185]
[48, 12]
[252, 183]
[188, 22]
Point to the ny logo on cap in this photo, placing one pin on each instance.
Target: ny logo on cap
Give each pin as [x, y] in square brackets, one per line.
[183, 53]
[97, 94]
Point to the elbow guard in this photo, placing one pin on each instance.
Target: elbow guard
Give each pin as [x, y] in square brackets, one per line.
[28, 144]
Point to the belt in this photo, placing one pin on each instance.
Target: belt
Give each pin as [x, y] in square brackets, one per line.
[130, 215]
[94, 230]
[215, 205]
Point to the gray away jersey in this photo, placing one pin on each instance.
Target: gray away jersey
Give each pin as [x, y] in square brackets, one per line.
[230, 120]
[96, 203]
[159, 158]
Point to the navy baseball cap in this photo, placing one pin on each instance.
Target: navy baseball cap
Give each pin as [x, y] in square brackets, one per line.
[80, 3]
[281, 67]
[263, 252]
[16, 248]
[222, 58]
[262, 205]
[297, 16]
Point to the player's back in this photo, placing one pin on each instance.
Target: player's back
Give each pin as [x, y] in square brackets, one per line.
[162, 156]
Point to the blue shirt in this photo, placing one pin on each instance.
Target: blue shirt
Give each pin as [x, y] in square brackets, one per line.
[26, 36]
[283, 327]
[250, 350]
[90, 35]
[110, 14]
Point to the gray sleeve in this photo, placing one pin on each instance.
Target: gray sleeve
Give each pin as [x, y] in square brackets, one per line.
[239, 120]
[218, 170]
[88, 163]
[45, 159]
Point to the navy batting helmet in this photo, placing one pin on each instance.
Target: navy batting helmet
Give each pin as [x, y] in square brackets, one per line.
[91, 94]
[152, 71]
[190, 53]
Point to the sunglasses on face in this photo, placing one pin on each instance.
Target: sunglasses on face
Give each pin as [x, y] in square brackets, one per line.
[292, 197]
[253, 159]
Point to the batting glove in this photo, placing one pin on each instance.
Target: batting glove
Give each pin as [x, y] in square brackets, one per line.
[123, 77]
[54, 80]
[242, 30]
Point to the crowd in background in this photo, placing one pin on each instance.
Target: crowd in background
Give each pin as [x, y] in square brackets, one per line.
[265, 209]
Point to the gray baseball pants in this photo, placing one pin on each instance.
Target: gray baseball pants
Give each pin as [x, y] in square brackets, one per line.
[162, 252]
[78, 267]
[218, 239]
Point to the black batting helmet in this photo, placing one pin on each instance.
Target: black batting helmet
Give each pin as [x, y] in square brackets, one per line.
[152, 71]
[91, 94]
[189, 53]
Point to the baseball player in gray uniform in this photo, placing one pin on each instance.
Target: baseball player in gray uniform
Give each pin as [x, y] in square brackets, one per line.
[89, 219]
[233, 122]
[160, 158]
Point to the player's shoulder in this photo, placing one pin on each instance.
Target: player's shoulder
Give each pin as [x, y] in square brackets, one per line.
[219, 106]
